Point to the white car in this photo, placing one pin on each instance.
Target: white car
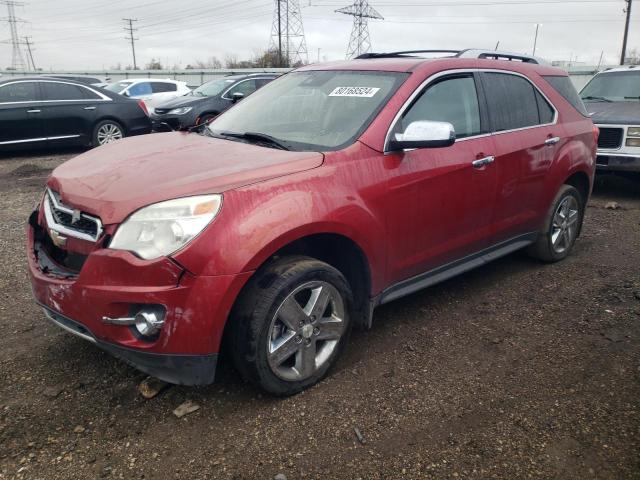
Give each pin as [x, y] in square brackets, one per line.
[152, 91]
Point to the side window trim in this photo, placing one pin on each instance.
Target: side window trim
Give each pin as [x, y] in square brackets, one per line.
[536, 89]
[103, 98]
[37, 87]
[481, 99]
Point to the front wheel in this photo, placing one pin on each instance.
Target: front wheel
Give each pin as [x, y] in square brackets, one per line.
[561, 226]
[107, 131]
[290, 324]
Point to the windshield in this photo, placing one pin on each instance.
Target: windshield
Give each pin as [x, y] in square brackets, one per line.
[614, 86]
[313, 110]
[212, 88]
[117, 87]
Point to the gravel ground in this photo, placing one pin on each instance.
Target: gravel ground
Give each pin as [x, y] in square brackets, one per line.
[514, 370]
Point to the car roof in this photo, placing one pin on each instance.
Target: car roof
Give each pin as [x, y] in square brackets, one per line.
[626, 68]
[144, 79]
[41, 78]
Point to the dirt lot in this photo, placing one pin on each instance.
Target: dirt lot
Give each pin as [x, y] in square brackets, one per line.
[515, 370]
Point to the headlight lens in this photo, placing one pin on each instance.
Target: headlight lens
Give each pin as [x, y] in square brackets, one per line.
[162, 228]
[180, 111]
[633, 132]
[633, 142]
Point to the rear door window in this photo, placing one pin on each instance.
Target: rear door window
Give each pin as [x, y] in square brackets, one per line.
[512, 101]
[545, 110]
[453, 100]
[162, 87]
[62, 91]
[139, 89]
[19, 92]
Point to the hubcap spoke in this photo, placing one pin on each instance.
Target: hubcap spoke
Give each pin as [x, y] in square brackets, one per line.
[330, 330]
[317, 303]
[285, 348]
[291, 313]
[306, 360]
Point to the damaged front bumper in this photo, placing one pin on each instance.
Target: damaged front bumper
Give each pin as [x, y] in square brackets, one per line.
[110, 284]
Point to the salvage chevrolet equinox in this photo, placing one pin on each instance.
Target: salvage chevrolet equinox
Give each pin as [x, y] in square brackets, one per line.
[332, 190]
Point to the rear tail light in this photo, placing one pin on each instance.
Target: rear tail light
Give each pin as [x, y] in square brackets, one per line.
[143, 106]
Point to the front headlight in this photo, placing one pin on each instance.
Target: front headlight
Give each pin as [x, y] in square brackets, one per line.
[180, 111]
[633, 132]
[162, 228]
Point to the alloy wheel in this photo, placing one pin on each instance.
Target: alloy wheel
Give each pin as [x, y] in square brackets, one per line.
[305, 330]
[109, 132]
[565, 224]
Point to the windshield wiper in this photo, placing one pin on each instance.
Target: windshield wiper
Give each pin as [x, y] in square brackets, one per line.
[260, 137]
[593, 97]
[632, 98]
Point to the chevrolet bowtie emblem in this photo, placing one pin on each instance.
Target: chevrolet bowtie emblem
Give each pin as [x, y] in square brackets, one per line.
[57, 239]
[75, 216]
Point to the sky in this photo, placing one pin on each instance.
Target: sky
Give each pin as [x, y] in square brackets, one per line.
[89, 34]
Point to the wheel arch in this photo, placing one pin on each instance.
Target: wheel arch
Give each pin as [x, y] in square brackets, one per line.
[113, 118]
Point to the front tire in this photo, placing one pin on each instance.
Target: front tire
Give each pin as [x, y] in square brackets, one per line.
[107, 131]
[290, 324]
[561, 226]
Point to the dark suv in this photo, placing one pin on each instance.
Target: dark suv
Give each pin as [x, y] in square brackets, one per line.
[207, 101]
[333, 190]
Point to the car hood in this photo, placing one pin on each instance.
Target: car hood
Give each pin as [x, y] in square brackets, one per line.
[622, 113]
[183, 101]
[114, 180]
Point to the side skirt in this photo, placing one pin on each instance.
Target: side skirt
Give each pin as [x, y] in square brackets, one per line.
[445, 272]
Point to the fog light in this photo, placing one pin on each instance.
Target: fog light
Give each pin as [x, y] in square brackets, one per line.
[148, 323]
[633, 142]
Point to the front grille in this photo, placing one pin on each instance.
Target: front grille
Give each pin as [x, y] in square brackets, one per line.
[69, 221]
[610, 137]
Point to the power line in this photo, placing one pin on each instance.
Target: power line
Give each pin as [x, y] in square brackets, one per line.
[623, 55]
[360, 41]
[132, 38]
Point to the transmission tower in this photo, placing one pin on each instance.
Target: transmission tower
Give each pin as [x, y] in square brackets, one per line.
[287, 34]
[17, 59]
[360, 41]
[129, 28]
[28, 42]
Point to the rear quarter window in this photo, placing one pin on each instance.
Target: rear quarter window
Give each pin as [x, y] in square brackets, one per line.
[564, 87]
[512, 101]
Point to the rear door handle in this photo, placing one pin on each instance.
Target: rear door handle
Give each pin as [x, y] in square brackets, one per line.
[33, 111]
[552, 141]
[89, 108]
[481, 162]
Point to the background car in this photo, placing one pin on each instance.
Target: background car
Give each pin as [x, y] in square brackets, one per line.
[612, 98]
[37, 112]
[152, 92]
[207, 101]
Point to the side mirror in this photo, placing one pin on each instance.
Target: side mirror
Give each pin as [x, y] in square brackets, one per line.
[126, 93]
[424, 134]
[237, 97]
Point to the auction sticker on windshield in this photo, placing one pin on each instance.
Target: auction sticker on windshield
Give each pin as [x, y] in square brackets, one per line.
[366, 92]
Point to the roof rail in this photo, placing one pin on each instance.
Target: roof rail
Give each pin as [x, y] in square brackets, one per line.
[468, 53]
[498, 55]
[406, 53]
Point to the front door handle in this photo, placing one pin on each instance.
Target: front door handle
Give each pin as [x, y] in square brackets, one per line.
[481, 162]
[552, 140]
[89, 108]
[33, 111]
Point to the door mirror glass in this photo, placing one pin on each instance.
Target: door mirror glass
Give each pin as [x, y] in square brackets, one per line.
[237, 97]
[424, 134]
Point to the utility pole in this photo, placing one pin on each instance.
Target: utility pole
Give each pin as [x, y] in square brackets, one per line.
[623, 55]
[360, 41]
[131, 38]
[28, 43]
[17, 59]
[279, 34]
[535, 40]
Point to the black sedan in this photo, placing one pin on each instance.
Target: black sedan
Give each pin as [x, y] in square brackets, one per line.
[210, 99]
[39, 112]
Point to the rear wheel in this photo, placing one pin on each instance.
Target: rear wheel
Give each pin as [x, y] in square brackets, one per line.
[561, 226]
[107, 131]
[290, 324]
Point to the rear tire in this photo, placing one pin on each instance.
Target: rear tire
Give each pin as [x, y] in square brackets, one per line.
[290, 324]
[561, 226]
[107, 131]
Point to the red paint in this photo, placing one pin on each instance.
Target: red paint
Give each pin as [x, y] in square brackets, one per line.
[408, 212]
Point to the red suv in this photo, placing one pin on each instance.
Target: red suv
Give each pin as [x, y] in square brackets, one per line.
[332, 190]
